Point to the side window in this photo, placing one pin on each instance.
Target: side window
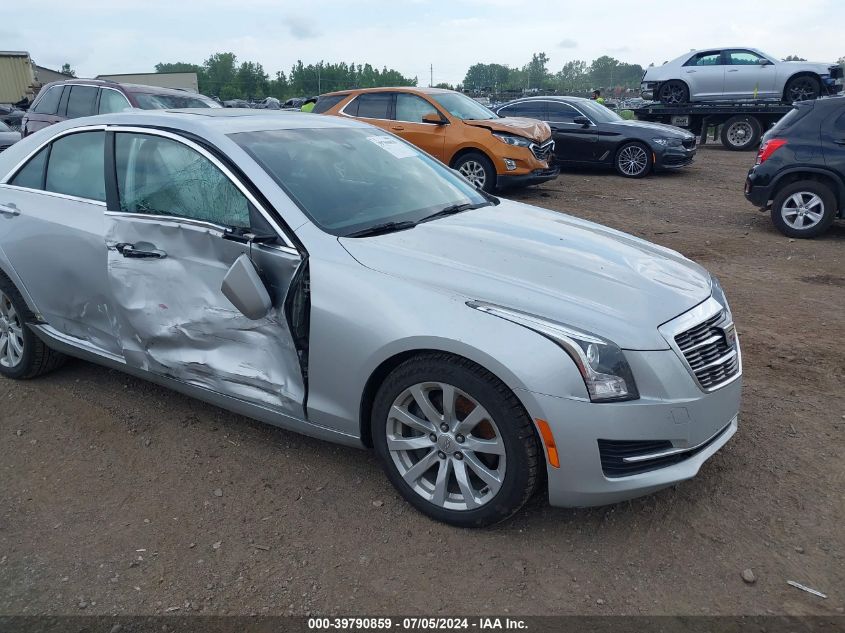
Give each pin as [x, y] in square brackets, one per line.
[164, 177]
[32, 174]
[82, 101]
[76, 166]
[326, 103]
[412, 108]
[562, 112]
[743, 58]
[112, 101]
[527, 109]
[708, 58]
[375, 105]
[49, 103]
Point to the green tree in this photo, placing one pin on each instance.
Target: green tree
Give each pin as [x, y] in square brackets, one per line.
[67, 70]
[221, 72]
[536, 72]
[794, 58]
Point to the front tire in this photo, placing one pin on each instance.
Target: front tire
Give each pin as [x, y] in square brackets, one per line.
[455, 441]
[22, 354]
[803, 88]
[673, 92]
[633, 160]
[740, 133]
[804, 209]
[478, 170]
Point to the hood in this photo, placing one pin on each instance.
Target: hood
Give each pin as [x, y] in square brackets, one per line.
[662, 128]
[537, 131]
[548, 264]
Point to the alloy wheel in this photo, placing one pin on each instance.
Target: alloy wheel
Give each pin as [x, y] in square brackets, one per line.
[446, 446]
[672, 93]
[11, 333]
[802, 89]
[473, 171]
[632, 160]
[802, 210]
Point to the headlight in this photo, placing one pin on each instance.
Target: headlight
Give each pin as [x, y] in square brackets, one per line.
[512, 139]
[602, 364]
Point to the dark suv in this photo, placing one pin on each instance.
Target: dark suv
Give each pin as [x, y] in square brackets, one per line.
[74, 98]
[800, 169]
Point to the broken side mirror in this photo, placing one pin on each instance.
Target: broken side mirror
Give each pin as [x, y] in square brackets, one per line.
[244, 289]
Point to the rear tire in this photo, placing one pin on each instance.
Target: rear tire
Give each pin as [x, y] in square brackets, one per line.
[741, 132]
[674, 92]
[804, 209]
[22, 354]
[803, 88]
[633, 160]
[470, 464]
[478, 170]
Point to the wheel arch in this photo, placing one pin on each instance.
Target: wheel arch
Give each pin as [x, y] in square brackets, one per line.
[795, 75]
[823, 176]
[470, 149]
[679, 80]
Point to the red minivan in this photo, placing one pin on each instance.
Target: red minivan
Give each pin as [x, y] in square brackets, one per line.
[75, 98]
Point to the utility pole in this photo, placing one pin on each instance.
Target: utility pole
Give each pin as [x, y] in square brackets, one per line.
[431, 77]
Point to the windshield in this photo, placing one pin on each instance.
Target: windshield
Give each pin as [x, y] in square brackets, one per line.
[462, 107]
[351, 179]
[149, 101]
[598, 113]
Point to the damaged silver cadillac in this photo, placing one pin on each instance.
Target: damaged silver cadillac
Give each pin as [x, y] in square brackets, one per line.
[324, 276]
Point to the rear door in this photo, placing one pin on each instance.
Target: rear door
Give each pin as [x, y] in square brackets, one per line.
[375, 108]
[82, 101]
[177, 221]
[833, 141]
[747, 75]
[574, 142]
[704, 73]
[51, 214]
[44, 112]
[409, 109]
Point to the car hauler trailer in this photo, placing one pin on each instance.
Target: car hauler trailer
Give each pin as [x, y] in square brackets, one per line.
[739, 124]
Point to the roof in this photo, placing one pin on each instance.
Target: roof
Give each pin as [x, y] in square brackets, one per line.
[416, 89]
[129, 87]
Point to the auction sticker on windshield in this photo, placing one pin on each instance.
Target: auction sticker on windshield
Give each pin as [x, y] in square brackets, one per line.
[394, 146]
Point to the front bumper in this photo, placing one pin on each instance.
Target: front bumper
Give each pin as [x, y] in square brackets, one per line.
[535, 177]
[673, 157]
[699, 423]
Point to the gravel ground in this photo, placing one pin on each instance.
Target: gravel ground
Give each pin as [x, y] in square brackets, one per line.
[119, 497]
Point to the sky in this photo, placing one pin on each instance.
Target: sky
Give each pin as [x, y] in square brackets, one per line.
[127, 36]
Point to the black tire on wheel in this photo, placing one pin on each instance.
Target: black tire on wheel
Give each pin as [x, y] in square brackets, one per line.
[673, 92]
[478, 169]
[514, 427]
[741, 133]
[802, 88]
[633, 160]
[815, 197]
[36, 358]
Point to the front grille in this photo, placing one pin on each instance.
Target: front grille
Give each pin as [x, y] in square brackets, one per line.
[544, 151]
[710, 354]
[614, 452]
[689, 143]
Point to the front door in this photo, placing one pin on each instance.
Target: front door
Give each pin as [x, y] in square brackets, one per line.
[748, 74]
[408, 123]
[179, 221]
[574, 142]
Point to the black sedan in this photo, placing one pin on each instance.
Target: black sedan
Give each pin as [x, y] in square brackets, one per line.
[588, 133]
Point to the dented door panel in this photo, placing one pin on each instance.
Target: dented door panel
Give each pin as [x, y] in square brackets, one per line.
[173, 319]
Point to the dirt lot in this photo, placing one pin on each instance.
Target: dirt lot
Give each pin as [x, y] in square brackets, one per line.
[121, 497]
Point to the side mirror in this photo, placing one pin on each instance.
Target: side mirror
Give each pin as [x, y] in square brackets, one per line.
[244, 288]
[581, 120]
[764, 62]
[433, 117]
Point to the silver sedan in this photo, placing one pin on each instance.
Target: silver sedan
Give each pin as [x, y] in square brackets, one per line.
[326, 277]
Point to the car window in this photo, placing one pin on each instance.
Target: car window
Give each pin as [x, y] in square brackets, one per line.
[562, 112]
[32, 174]
[325, 103]
[528, 109]
[707, 58]
[149, 101]
[412, 108]
[76, 166]
[112, 101]
[744, 58]
[374, 105]
[82, 101]
[462, 107]
[161, 176]
[49, 103]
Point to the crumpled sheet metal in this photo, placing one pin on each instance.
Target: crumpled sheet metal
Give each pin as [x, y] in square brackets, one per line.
[175, 321]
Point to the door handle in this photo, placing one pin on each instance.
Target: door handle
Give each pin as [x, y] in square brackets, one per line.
[398, 128]
[129, 250]
[690, 71]
[9, 210]
[733, 70]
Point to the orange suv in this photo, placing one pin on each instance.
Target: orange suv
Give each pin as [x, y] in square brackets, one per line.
[488, 150]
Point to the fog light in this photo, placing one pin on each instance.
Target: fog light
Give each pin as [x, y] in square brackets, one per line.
[510, 164]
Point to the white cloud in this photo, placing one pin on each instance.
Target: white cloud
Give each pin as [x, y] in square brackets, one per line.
[567, 42]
